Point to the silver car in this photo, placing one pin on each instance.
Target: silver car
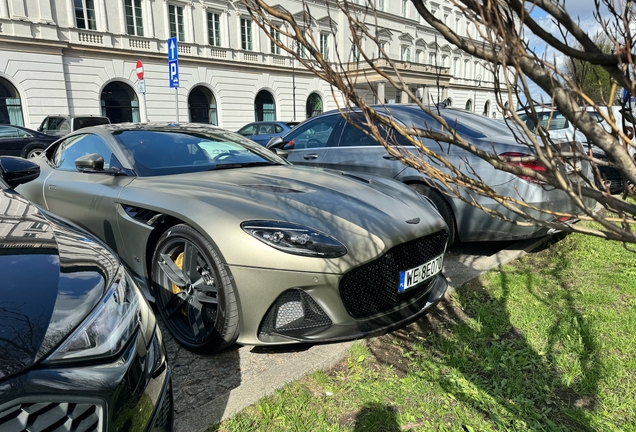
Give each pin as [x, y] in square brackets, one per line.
[235, 244]
[329, 141]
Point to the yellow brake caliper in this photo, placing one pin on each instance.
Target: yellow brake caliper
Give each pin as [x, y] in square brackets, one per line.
[179, 263]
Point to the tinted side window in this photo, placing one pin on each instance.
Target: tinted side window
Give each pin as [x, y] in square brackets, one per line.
[266, 129]
[362, 135]
[312, 134]
[279, 128]
[8, 132]
[54, 123]
[248, 130]
[81, 145]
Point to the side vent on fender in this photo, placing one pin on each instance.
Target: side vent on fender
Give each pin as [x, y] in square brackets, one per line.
[149, 217]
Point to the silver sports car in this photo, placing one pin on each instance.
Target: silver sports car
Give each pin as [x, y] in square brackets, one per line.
[233, 243]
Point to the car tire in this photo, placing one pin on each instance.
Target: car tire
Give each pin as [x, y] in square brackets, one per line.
[198, 305]
[34, 152]
[442, 207]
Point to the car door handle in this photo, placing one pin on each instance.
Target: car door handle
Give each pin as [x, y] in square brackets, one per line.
[311, 156]
[52, 186]
[388, 157]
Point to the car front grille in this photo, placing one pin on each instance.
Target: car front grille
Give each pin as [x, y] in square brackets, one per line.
[51, 416]
[373, 287]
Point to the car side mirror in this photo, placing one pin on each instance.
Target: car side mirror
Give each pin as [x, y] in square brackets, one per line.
[16, 171]
[276, 142]
[90, 162]
[281, 153]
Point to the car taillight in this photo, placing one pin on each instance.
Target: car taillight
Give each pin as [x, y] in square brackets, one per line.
[532, 164]
[289, 145]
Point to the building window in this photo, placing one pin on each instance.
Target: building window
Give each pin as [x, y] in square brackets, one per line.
[446, 19]
[380, 5]
[324, 45]
[486, 109]
[246, 34]
[214, 29]
[355, 53]
[455, 62]
[314, 105]
[444, 61]
[134, 21]
[175, 18]
[466, 68]
[275, 49]
[457, 25]
[405, 54]
[469, 105]
[405, 8]
[381, 47]
[432, 58]
[300, 50]
[85, 14]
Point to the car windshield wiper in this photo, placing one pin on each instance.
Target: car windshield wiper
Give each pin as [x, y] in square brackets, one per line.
[241, 165]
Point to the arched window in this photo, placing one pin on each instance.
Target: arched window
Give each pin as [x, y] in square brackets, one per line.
[202, 106]
[314, 105]
[264, 106]
[469, 105]
[448, 102]
[10, 106]
[486, 108]
[119, 103]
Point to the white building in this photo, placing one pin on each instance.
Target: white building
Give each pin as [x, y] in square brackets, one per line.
[78, 57]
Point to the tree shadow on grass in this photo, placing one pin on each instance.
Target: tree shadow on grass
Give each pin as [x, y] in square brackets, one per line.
[512, 384]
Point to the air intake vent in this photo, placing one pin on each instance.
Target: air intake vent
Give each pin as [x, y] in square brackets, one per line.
[141, 214]
[294, 314]
[272, 188]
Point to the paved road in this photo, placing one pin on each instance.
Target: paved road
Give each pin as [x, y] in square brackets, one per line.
[210, 388]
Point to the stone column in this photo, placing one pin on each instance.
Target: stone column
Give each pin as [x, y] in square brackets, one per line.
[404, 97]
[380, 92]
[444, 94]
[4, 9]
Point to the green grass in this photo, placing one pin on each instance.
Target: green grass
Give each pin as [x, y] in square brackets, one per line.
[547, 343]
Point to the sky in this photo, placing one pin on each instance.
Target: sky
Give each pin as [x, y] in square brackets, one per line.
[581, 10]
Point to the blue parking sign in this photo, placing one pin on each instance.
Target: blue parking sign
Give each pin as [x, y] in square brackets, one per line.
[173, 69]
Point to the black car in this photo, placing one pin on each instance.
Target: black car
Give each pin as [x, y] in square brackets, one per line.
[79, 346]
[23, 142]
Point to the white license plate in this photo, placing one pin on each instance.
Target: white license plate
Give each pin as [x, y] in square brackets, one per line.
[414, 276]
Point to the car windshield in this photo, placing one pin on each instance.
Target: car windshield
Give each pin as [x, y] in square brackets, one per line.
[164, 152]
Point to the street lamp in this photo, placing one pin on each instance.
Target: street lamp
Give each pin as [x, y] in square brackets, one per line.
[478, 84]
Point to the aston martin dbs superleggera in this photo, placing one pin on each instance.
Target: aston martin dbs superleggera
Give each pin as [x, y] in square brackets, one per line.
[233, 243]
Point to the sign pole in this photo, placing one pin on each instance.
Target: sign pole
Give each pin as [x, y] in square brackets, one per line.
[145, 108]
[176, 101]
[141, 87]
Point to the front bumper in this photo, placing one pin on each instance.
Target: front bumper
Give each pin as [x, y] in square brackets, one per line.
[261, 288]
[130, 393]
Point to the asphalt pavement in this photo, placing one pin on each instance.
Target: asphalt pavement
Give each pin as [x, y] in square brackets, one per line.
[208, 389]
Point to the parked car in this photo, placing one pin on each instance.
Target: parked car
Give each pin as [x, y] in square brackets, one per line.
[262, 132]
[235, 244]
[23, 142]
[60, 125]
[560, 128]
[80, 349]
[329, 141]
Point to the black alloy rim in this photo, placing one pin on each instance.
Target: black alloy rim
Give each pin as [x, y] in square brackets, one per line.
[188, 290]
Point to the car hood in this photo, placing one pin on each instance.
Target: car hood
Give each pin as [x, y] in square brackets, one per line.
[52, 277]
[359, 210]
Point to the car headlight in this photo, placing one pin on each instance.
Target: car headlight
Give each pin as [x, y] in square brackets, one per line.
[108, 328]
[295, 239]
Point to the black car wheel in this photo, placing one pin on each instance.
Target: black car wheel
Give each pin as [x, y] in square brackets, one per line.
[193, 291]
[34, 152]
[442, 207]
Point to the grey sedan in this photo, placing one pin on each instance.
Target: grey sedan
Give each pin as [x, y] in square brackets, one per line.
[329, 141]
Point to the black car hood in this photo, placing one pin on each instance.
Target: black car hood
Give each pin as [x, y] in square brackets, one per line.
[51, 276]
